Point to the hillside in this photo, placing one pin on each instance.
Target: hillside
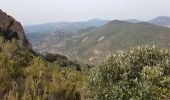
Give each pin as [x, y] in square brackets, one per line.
[39, 32]
[94, 45]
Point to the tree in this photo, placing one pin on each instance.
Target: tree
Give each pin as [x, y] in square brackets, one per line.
[141, 73]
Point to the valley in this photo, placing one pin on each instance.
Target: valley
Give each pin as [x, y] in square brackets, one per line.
[84, 50]
[94, 40]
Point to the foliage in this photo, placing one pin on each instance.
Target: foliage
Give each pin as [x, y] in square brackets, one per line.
[63, 61]
[27, 77]
[11, 74]
[9, 35]
[53, 57]
[138, 74]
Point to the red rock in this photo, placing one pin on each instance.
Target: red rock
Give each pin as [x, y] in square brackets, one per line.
[10, 28]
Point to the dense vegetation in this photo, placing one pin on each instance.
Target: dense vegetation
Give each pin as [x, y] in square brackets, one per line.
[137, 74]
[27, 77]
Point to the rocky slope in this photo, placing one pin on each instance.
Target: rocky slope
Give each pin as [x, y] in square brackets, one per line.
[10, 28]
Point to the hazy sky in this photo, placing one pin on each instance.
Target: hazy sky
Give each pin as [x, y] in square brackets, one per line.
[41, 11]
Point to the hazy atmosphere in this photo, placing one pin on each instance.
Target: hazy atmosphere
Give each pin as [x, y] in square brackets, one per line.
[84, 49]
[42, 11]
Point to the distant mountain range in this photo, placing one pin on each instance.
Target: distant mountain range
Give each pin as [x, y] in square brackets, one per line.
[50, 27]
[94, 44]
[93, 40]
[161, 20]
[38, 32]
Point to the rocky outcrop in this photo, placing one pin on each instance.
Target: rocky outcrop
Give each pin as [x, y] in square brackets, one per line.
[10, 28]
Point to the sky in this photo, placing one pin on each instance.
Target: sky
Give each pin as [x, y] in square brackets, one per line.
[30, 12]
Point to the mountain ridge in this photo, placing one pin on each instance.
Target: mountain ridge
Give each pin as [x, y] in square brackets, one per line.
[161, 20]
[10, 28]
[44, 30]
[97, 43]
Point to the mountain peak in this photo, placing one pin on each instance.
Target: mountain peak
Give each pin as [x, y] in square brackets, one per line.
[116, 22]
[163, 17]
[95, 19]
[10, 28]
[133, 20]
[161, 20]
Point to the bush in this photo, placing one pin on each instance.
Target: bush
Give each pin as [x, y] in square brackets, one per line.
[27, 77]
[53, 57]
[141, 73]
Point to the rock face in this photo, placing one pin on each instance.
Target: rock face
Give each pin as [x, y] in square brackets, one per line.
[10, 28]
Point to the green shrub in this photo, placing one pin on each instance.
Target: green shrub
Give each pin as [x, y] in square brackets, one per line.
[24, 76]
[141, 73]
[53, 57]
